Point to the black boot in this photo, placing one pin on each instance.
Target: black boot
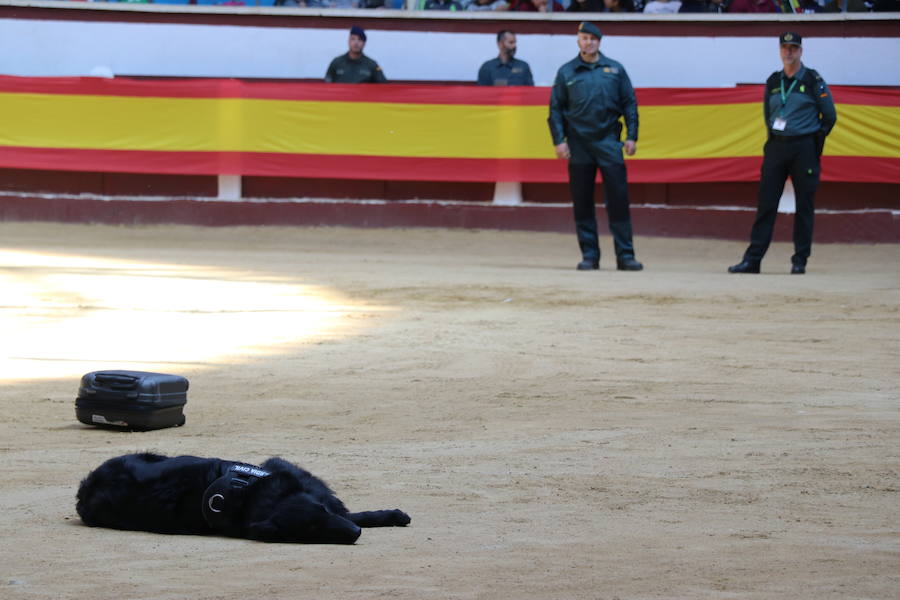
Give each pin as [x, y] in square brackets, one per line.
[745, 266]
[628, 263]
[798, 262]
[622, 239]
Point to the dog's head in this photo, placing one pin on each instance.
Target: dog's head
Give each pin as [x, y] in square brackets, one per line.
[299, 518]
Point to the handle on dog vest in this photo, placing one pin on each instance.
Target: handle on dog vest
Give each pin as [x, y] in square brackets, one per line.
[224, 498]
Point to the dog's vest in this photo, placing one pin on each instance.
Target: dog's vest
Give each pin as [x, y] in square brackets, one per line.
[223, 500]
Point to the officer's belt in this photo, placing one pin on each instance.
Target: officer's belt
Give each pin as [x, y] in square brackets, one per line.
[790, 138]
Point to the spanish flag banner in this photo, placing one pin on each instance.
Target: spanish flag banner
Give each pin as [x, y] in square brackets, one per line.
[404, 132]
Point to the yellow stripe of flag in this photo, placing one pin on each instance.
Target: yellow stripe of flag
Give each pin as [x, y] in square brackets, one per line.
[390, 129]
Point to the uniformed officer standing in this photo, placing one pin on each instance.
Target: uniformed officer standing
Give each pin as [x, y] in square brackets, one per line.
[799, 113]
[354, 66]
[591, 93]
[505, 69]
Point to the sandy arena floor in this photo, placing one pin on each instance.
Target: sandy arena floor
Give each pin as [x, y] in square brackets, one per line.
[675, 433]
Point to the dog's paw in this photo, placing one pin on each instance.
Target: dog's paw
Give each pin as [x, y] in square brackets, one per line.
[400, 518]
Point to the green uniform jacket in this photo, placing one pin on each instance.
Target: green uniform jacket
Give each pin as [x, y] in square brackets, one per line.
[344, 69]
[809, 108]
[587, 101]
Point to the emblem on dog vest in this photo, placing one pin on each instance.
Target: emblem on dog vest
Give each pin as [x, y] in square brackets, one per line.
[250, 470]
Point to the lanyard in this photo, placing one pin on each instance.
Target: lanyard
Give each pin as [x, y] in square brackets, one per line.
[784, 95]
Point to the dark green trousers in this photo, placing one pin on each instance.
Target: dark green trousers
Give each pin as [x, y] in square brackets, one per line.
[615, 197]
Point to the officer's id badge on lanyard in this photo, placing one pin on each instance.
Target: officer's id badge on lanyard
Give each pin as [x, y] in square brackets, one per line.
[780, 123]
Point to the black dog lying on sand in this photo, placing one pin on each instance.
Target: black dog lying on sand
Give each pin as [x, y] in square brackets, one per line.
[276, 502]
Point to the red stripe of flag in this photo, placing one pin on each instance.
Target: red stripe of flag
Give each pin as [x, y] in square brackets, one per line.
[835, 168]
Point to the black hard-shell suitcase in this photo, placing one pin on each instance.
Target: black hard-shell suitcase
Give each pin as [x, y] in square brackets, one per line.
[131, 399]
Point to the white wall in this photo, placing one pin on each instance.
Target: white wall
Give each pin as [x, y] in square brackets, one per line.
[65, 48]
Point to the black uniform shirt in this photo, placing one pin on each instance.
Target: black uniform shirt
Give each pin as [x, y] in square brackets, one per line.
[344, 69]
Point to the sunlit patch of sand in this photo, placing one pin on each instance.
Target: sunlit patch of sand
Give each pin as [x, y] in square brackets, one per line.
[63, 315]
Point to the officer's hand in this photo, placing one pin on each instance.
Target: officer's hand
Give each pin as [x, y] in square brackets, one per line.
[562, 151]
[820, 144]
[630, 147]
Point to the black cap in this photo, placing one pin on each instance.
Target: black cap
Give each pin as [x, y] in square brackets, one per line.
[359, 31]
[790, 37]
[586, 27]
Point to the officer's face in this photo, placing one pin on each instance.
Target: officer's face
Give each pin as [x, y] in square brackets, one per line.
[588, 44]
[356, 44]
[508, 44]
[790, 54]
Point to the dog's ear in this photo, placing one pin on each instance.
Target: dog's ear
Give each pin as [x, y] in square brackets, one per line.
[279, 465]
[276, 464]
[283, 481]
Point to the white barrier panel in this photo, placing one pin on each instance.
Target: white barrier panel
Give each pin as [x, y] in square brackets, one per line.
[73, 48]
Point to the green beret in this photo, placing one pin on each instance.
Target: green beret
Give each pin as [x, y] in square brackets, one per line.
[590, 28]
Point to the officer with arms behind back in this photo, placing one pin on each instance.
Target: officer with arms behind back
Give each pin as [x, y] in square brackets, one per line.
[354, 66]
[799, 113]
[589, 96]
[506, 69]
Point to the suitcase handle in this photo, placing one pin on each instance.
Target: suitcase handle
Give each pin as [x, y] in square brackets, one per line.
[117, 382]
